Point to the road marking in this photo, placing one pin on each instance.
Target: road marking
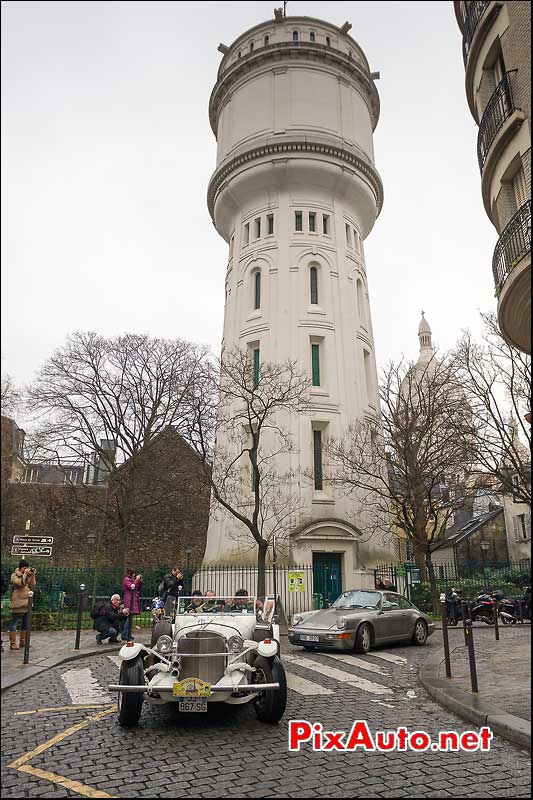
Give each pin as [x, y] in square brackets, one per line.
[68, 783]
[357, 662]
[60, 736]
[381, 703]
[60, 708]
[83, 687]
[338, 675]
[389, 657]
[303, 686]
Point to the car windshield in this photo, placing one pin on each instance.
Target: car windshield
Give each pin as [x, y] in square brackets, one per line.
[220, 604]
[357, 599]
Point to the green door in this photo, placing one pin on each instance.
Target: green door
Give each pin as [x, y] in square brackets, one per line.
[327, 576]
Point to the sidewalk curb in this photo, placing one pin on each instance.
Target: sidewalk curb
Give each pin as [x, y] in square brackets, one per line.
[31, 670]
[471, 708]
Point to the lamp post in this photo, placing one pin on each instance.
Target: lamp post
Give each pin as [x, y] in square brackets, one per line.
[484, 547]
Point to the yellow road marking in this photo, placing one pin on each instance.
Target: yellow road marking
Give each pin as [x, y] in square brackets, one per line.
[61, 708]
[60, 736]
[75, 786]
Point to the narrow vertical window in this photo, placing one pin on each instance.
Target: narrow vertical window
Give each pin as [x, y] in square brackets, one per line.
[313, 279]
[312, 221]
[356, 240]
[328, 41]
[315, 364]
[267, 41]
[298, 221]
[270, 224]
[348, 235]
[317, 459]
[368, 376]
[231, 243]
[360, 302]
[247, 233]
[239, 54]
[257, 227]
[312, 36]
[256, 366]
[295, 36]
[257, 290]
[251, 46]
[325, 224]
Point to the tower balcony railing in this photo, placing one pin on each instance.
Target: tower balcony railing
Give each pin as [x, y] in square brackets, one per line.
[474, 11]
[513, 244]
[499, 108]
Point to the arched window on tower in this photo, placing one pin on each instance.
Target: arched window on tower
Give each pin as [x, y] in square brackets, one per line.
[295, 36]
[328, 41]
[267, 41]
[251, 46]
[312, 36]
[257, 289]
[313, 284]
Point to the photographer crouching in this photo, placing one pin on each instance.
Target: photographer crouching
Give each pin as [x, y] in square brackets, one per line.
[23, 582]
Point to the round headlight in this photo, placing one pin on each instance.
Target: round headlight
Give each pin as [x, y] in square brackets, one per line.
[341, 622]
[235, 644]
[296, 619]
[164, 645]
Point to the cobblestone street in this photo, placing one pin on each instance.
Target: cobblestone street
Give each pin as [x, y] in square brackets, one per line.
[228, 752]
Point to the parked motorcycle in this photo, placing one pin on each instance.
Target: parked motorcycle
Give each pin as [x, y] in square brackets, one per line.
[483, 608]
[506, 608]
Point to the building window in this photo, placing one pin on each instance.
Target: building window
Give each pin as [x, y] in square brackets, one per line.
[247, 233]
[360, 301]
[313, 280]
[312, 221]
[312, 36]
[325, 224]
[348, 235]
[231, 244]
[520, 188]
[239, 54]
[267, 41]
[317, 459]
[368, 376]
[257, 227]
[257, 289]
[356, 240]
[328, 41]
[270, 224]
[251, 46]
[256, 366]
[522, 527]
[315, 364]
[298, 221]
[295, 36]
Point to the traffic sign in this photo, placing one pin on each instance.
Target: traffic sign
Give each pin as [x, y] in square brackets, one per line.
[31, 550]
[33, 540]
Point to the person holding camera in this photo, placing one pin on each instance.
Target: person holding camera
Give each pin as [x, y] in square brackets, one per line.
[131, 589]
[23, 582]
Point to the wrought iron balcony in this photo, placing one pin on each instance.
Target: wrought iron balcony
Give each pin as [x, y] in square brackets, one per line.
[474, 11]
[513, 244]
[499, 108]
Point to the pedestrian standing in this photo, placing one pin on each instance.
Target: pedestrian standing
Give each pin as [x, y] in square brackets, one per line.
[131, 584]
[23, 581]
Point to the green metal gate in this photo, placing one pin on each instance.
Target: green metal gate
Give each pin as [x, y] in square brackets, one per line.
[327, 576]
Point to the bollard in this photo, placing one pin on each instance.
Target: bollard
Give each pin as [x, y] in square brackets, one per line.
[496, 607]
[445, 640]
[80, 611]
[464, 612]
[471, 652]
[28, 628]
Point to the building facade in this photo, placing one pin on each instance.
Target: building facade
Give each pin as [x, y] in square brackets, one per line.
[497, 57]
[294, 194]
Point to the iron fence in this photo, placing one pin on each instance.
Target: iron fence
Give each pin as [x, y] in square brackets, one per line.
[513, 244]
[57, 591]
[475, 9]
[498, 110]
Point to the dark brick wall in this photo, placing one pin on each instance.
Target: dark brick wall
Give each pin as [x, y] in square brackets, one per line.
[172, 512]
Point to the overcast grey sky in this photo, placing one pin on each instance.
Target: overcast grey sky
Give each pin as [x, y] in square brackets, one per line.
[107, 152]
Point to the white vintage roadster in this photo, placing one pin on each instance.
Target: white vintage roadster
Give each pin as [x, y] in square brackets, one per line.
[216, 650]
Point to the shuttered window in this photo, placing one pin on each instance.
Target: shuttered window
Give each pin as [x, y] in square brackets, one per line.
[315, 363]
[520, 188]
[313, 279]
[256, 366]
[257, 290]
[317, 459]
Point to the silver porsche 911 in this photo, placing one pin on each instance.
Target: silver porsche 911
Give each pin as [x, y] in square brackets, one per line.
[360, 619]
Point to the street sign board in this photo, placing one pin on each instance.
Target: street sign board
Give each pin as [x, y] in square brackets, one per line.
[33, 540]
[31, 550]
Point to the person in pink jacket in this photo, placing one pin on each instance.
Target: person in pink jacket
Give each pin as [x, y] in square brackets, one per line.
[131, 589]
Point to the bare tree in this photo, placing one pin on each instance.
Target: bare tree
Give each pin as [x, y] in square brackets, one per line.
[399, 464]
[11, 398]
[106, 400]
[496, 378]
[245, 446]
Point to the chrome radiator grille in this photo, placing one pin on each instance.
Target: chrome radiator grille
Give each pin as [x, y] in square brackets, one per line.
[210, 668]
